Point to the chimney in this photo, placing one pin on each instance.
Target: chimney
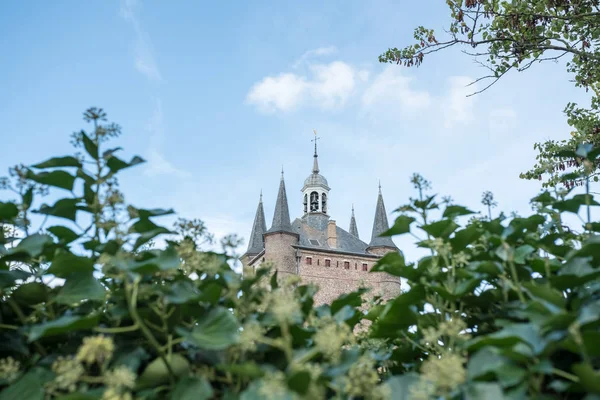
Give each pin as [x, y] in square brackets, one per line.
[331, 234]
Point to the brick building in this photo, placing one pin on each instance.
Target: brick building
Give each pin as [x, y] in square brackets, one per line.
[315, 248]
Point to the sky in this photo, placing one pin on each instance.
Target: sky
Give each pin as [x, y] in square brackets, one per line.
[219, 96]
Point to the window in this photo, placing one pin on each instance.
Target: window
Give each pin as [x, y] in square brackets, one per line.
[324, 203]
[318, 262]
[365, 267]
[355, 265]
[305, 203]
[327, 263]
[314, 202]
[308, 260]
[346, 264]
[337, 264]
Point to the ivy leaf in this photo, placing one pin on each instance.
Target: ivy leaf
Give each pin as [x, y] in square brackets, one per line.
[465, 237]
[182, 292]
[394, 264]
[156, 373]
[216, 331]
[352, 299]
[30, 386]
[115, 164]
[64, 208]
[588, 378]
[401, 225]
[192, 388]
[31, 246]
[64, 234]
[60, 179]
[299, 381]
[8, 211]
[484, 391]
[90, 147]
[66, 263]
[147, 230]
[572, 205]
[155, 260]
[9, 278]
[55, 162]
[64, 324]
[456, 211]
[440, 229]
[78, 287]
[522, 252]
[400, 386]
[154, 212]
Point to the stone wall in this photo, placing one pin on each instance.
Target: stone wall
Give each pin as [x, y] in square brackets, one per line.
[335, 279]
[279, 252]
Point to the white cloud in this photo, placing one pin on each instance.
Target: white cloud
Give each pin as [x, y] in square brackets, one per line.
[392, 88]
[457, 108]
[145, 62]
[310, 54]
[329, 87]
[157, 164]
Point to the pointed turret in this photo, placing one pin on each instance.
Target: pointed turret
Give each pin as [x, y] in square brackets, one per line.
[257, 243]
[380, 225]
[353, 229]
[281, 217]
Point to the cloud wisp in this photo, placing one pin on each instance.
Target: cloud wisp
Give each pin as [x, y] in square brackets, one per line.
[145, 61]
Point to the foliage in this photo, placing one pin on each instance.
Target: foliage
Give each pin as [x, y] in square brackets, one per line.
[515, 35]
[503, 308]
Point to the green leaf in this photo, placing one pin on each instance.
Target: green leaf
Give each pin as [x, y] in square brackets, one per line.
[8, 211]
[60, 179]
[546, 293]
[155, 260]
[64, 234]
[31, 293]
[484, 391]
[64, 324]
[9, 278]
[588, 378]
[182, 292]
[148, 230]
[30, 386]
[31, 246]
[299, 381]
[78, 287]
[400, 386]
[440, 229]
[401, 225]
[115, 164]
[216, 331]
[28, 198]
[465, 237]
[544, 199]
[90, 147]
[65, 263]
[456, 211]
[192, 388]
[154, 212]
[156, 373]
[483, 362]
[510, 335]
[64, 208]
[394, 264]
[352, 299]
[522, 252]
[572, 205]
[67, 161]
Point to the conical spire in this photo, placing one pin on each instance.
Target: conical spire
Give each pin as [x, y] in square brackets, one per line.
[380, 225]
[281, 217]
[256, 243]
[316, 156]
[353, 228]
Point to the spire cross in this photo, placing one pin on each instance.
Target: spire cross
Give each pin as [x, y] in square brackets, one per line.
[315, 140]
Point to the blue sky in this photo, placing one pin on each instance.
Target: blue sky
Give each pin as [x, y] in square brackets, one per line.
[218, 96]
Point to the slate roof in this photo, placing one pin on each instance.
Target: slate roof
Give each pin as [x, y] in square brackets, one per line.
[281, 216]
[256, 242]
[312, 231]
[380, 225]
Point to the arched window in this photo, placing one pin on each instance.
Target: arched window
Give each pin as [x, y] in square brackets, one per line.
[305, 203]
[324, 203]
[314, 202]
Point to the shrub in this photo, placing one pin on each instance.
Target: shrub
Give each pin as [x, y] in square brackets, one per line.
[89, 310]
